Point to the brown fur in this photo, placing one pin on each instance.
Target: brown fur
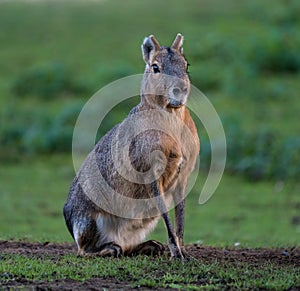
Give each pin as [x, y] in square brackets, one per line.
[96, 230]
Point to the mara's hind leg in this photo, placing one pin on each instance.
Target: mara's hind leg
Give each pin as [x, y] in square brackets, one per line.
[90, 242]
[148, 248]
[86, 236]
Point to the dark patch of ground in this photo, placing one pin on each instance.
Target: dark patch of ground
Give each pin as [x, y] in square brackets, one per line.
[259, 256]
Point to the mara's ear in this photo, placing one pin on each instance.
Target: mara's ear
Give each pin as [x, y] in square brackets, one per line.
[178, 42]
[149, 47]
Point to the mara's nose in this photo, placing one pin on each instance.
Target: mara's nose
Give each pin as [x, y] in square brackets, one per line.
[180, 91]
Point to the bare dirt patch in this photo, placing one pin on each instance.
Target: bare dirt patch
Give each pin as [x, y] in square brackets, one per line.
[257, 257]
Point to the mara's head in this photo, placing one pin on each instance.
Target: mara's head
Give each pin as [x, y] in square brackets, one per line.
[166, 81]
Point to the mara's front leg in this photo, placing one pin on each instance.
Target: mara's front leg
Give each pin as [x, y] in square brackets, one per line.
[179, 221]
[179, 201]
[173, 242]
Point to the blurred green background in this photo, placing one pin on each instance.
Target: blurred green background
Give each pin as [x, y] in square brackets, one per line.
[245, 57]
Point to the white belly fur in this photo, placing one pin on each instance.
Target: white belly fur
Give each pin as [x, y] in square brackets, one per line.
[125, 232]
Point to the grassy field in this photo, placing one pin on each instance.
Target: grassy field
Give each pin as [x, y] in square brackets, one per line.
[55, 55]
[148, 273]
[244, 56]
[99, 42]
[254, 215]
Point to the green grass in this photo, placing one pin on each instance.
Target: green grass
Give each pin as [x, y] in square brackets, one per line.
[260, 214]
[251, 214]
[97, 40]
[152, 273]
[32, 197]
[100, 42]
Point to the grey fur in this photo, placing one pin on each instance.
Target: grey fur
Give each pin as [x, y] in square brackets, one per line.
[97, 230]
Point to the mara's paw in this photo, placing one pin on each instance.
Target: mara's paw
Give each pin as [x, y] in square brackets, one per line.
[187, 257]
[149, 248]
[110, 250]
[177, 252]
[178, 255]
[182, 255]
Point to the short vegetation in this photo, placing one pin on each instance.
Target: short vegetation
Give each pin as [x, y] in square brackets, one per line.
[257, 70]
[244, 56]
[143, 272]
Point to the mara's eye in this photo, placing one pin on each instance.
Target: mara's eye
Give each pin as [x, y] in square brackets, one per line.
[155, 68]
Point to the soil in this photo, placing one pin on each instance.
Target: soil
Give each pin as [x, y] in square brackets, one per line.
[257, 257]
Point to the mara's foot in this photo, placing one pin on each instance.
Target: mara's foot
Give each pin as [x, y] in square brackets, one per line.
[177, 252]
[181, 254]
[107, 250]
[148, 248]
[110, 250]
